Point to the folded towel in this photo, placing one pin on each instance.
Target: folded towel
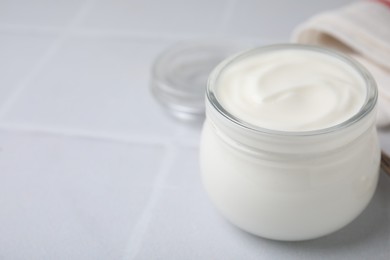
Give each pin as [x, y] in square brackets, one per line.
[361, 30]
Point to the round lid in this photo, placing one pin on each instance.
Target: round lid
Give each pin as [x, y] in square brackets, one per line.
[179, 77]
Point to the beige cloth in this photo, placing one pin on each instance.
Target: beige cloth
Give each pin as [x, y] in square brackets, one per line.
[361, 30]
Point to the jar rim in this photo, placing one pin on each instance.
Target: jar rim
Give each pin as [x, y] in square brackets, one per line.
[366, 108]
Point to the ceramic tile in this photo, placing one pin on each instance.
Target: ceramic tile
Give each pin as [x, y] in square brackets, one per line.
[188, 134]
[197, 229]
[273, 19]
[198, 232]
[38, 12]
[185, 173]
[18, 54]
[148, 16]
[66, 198]
[98, 85]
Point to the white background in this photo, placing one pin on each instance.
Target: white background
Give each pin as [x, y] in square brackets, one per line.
[91, 167]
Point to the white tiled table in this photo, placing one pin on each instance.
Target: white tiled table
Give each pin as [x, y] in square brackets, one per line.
[91, 168]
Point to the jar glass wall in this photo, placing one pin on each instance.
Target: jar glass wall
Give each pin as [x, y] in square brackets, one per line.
[289, 185]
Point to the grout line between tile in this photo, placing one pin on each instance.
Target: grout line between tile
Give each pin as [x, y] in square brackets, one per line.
[89, 135]
[123, 34]
[137, 36]
[168, 37]
[16, 28]
[115, 33]
[91, 32]
[136, 239]
[102, 136]
[51, 51]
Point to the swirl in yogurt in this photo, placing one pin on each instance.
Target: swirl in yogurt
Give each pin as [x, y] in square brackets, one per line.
[291, 90]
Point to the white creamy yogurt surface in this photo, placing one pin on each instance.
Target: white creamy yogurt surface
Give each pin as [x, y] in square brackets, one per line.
[291, 90]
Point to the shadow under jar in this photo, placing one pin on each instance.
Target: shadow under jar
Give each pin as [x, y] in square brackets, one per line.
[288, 184]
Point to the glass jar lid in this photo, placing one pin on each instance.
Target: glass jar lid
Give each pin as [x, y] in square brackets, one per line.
[180, 74]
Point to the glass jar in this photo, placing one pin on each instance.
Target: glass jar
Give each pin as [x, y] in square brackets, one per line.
[290, 185]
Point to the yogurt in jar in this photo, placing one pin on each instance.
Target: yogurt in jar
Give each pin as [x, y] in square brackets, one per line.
[291, 90]
[289, 148]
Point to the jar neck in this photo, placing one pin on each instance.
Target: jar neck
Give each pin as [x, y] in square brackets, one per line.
[257, 142]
